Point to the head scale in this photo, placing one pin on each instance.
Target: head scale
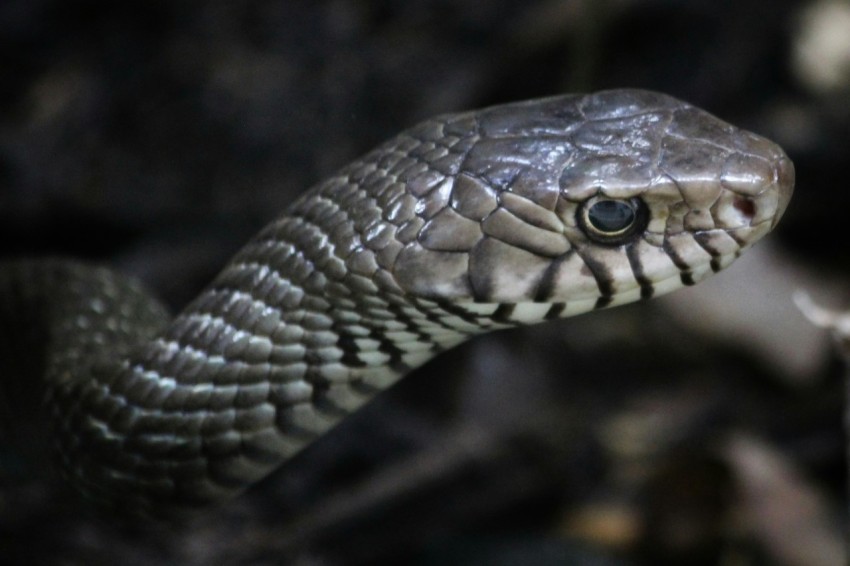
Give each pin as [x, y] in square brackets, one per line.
[584, 201]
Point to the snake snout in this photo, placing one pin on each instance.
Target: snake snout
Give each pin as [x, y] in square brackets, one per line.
[760, 181]
[784, 186]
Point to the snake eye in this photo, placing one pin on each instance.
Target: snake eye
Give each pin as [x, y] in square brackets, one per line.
[611, 221]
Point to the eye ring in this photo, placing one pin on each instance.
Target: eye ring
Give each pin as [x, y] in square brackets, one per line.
[612, 221]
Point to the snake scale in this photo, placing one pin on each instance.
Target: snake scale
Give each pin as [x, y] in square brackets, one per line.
[465, 223]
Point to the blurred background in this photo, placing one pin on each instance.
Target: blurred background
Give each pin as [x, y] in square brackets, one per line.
[703, 429]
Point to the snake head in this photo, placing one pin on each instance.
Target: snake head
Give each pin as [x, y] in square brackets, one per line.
[576, 201]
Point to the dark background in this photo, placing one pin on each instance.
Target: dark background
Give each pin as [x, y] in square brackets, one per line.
[158, 136]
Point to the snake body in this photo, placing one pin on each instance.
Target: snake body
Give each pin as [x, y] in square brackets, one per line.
[465, 223]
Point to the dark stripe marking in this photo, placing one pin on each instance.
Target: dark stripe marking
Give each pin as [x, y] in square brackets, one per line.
[459, 312]
[349, 347]
[555, 311]
[704, 241]
[646, 287]
[395, 353]
[426, 312]
[504, 312]
[604, 281]
[546, 285]
[685, 274]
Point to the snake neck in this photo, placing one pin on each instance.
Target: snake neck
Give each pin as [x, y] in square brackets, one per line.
[279, 348]
[178, 413]
[257, 367]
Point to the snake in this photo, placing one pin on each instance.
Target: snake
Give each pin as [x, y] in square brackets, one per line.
[465, 223]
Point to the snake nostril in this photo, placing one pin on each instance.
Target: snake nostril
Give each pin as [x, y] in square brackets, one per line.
[745, 206]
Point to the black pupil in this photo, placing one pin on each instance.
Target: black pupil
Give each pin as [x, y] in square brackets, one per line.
[611, 216]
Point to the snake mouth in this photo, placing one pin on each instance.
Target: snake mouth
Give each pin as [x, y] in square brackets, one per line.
[785, 177]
